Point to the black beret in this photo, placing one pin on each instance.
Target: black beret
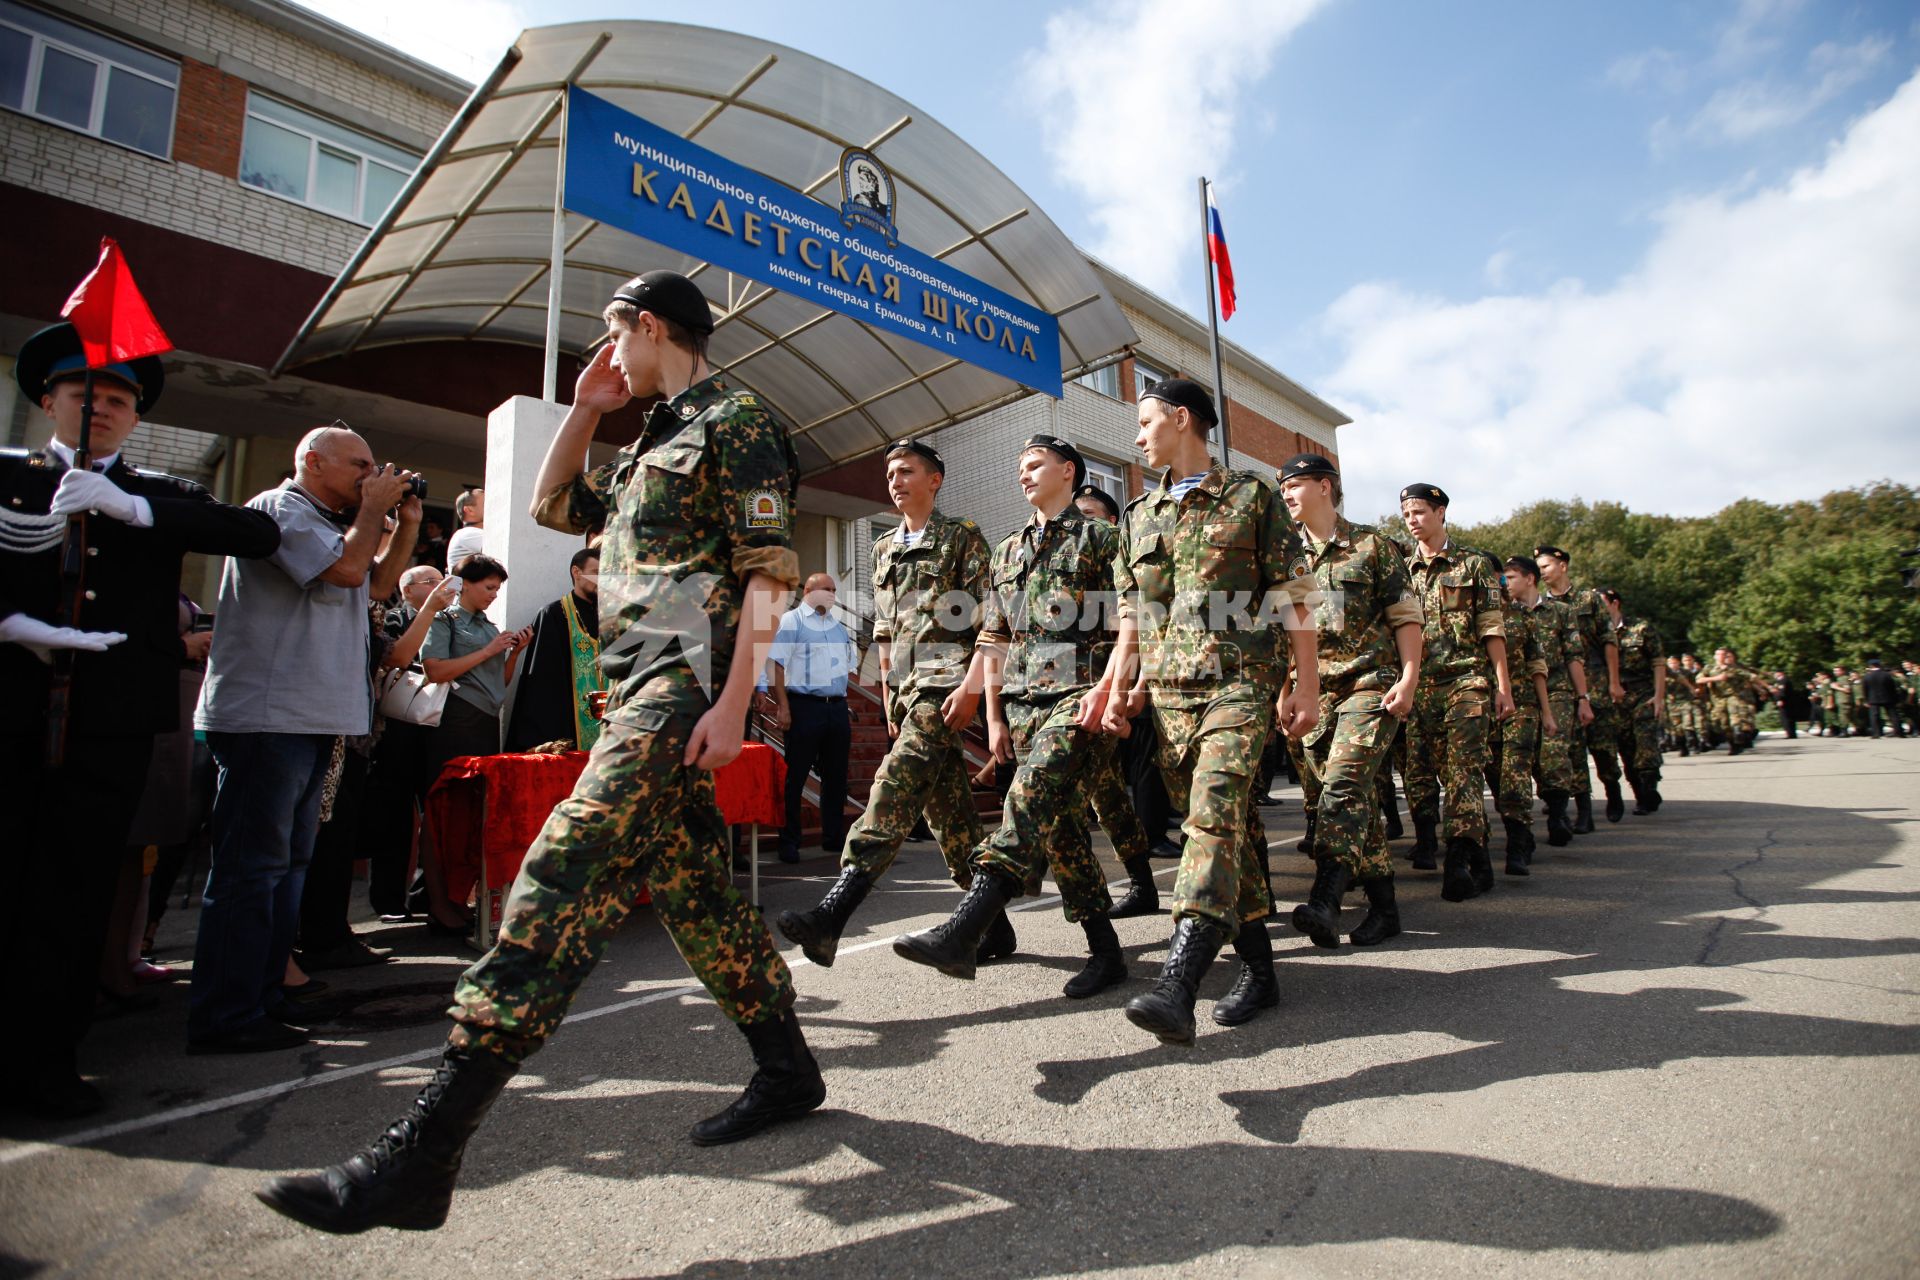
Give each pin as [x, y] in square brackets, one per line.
[1529, 567]
[1546, 549]
[54, 354]
[1432, 493]
[671, 296]
[1310, 465]
[1062, 447]
[1095, 491]
[1185, 394]
[923, 449]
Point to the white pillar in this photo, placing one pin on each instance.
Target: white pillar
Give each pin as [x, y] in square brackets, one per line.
[517, 436]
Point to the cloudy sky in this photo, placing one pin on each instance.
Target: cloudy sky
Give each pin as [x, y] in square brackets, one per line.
[1664, 253]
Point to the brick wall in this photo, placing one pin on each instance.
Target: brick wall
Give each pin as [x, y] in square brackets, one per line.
[177, 451]
[211, 119]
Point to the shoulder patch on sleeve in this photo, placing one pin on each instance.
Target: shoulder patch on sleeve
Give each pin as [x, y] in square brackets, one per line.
[766, 509]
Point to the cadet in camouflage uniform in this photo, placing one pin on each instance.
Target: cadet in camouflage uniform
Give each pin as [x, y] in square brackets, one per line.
[921, 570]
[1843, 701]
[1208, 578]
[1599, 721]
[1464, 686]
[1516, 740]
[1042, 645]
[1560, 646]
[696, 566]
[1702, 707]
[1682, 711]
[1643, 673]
[1368, 623]
[1732, 689]
[1857, 704]
[1820, 701]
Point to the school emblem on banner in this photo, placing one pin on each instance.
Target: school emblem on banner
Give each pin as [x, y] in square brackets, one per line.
[766, 509]
[866, 194]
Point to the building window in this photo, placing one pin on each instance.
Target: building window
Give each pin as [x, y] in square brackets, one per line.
[1145, 374]
[76, 77]
[1109, 478]
[320, 164]
[1105, 380]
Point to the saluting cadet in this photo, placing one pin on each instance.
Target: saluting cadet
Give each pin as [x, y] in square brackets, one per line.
[929, 579]
[1599, 729]
[695, 567]
[1209, 576]
[122, 640]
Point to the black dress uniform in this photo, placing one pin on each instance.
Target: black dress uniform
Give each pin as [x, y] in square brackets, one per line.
[63, 859]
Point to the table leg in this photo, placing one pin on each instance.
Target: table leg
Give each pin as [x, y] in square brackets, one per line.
[483, 900]
[753, 853]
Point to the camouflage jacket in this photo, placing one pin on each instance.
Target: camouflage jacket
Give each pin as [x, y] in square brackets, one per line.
[1207, 578]
[1051, 585]
[1560, 642]
[1361, 595]
[1526, 650]
[919, 594]
[1680, 687]
[1641, 650]
[1841, 687]
[693, 508]
[1459, 593]
[1742, 683]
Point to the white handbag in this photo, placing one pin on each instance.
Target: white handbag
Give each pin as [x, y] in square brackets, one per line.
[406, 694]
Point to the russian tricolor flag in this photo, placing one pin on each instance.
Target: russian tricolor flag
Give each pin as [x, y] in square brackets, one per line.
[1217, 250]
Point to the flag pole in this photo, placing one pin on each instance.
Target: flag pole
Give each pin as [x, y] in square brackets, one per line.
[1213, 329]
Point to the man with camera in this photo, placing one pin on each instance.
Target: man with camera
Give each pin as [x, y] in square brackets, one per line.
[286, 680]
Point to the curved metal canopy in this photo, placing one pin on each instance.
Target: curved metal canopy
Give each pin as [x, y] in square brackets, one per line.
[464, 251]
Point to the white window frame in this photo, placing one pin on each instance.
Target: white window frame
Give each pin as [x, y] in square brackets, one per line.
[1109, 374]
[1140, 383]
[1109, 477]
[341, 140]
[104, 65]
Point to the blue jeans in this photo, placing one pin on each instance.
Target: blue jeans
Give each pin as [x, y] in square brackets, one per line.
[266, 811]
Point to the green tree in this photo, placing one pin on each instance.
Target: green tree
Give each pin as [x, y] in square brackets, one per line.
[1826, 602]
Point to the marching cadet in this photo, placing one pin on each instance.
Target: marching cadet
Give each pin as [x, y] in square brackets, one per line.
[1681, 709]
[1643, 673]
[1731, 687]
[705, 495]
[1209, 574]
[1041, 646]
[122, 641]
[1553, 627]
[1599, 730]
[920, 570]
[1367, 622]
[1516, 740]
[1464, 686]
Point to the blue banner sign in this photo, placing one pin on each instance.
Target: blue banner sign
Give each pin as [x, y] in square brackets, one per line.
[629, 173]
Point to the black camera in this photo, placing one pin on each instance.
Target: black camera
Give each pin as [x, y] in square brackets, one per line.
[417, 487]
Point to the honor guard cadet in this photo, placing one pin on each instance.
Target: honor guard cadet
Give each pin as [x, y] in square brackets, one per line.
[1551, 625]
[1643, 673]
[1599, 729]
[929, 577]
[122, 641]
[695, 567]
[1516, 740]
[1464, 687]
[1209, 576]
[1369, 622]
[1042, 644]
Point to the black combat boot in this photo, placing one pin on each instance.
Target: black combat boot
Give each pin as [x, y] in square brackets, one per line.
[1426, 841]
[1392, 806]
[1000, 941]
[1256, 988]
[1143, 897]
[1583, 814]
[786, 1084]
[1559, 834]
[1319, 916]
[1616, 807]
[1480, 866]
[1457, 882]
[1306, 841]
[1686, 748]
[953, 946]
[1650, 784]
[1639, 790]
[818, 931]
[1383, 915]
[1105, 966]
[1519, 845]
[405, 1179]
[1167, 1010]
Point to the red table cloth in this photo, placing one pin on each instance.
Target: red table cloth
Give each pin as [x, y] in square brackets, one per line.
[494, 806]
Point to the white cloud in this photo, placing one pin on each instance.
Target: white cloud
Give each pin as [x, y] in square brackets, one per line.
[1753, 107]
[465, 37]
[1763, 346]
[1499, 268]
[1141, 95]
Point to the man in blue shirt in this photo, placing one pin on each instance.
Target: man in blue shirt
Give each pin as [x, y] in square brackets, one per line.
[811, 657]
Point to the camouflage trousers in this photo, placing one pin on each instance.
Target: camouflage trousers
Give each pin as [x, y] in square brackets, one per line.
[1645, 725]
[1598, 741]
[1447, 755]
[1553, 768]
[1043, 821]
[1516, 744]
[924, 772]
[637, 817]
[1113, 803]
[1740, 715]
[1683, 717]
[1343, 755]
[1210, 756]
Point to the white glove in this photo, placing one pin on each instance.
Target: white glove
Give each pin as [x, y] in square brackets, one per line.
[42, 638]
[92, 491]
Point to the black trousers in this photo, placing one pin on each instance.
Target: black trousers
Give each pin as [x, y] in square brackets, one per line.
[1880, 719]
[61, 866]
[397, 780]
[327, 895]
[818, 742]
[1141, 750]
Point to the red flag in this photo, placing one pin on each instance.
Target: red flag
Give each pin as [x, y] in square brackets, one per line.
[1222, 264]
[113, 320]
